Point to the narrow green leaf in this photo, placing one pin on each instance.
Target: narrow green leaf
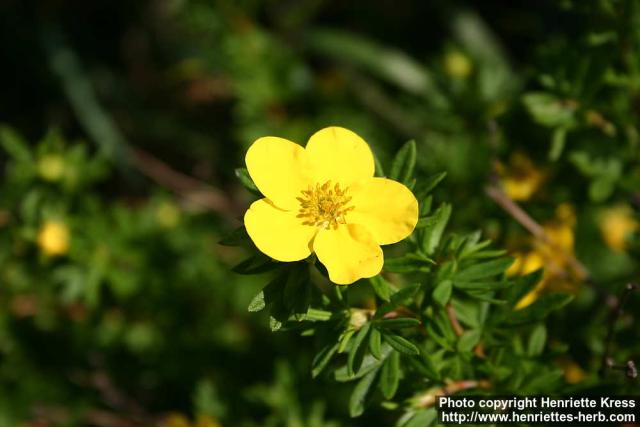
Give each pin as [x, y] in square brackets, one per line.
[316, 315]
[368, 364]
[468, 340]
[433, 230]
[442, 292]
[246, 181]
[344, 340]
[323, 358]
[407, 264]
[404, 163]
[390, 375]
[357, 351]
[537, 340]
[540, 309]
[423, 418]
[484, 269]
[398, 323]
[237, 237]
[401, 344]
[379, 170]
[381, 287]
[359, 394]
[375, 340]
[481, 286]
[255, 264]
[428, 184]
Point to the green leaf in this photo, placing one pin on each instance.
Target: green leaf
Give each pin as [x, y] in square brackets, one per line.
[442, 292]
[422, 418]
[255, 264]
[323, 358]
[375, 341]
[431, 233]
[427, 185]
[390, 64]
[390, 375]
[14, 144]
[357, 351]
[237, 237]
[246, 181]
[404, 163]
[316, 315]
[540, 309]
[537, 340]
[368, 364]
[379, 170]
[468, 340]
[548, 110]
[398, 323]
[408, 264]
[481, 286]
[484, 270]
[257, 303]
[558, 140]
[381, 287]
[359, 394]
[401, 344]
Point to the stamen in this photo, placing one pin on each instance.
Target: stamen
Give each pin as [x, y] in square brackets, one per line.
[324, 205]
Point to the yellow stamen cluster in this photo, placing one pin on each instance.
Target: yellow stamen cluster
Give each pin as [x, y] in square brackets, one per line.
[324, 205]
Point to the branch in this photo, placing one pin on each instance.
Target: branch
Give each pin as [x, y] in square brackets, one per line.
[617, 310]
[189, 188]
[520, 215]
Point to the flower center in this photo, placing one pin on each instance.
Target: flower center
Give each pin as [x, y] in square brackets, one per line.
[324, 205]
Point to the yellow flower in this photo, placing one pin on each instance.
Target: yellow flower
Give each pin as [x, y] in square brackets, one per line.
[206, 421]
[552, 255]
[458, 65]
[325, 199]
[51, 167]
[616, 225]
[521, 179]
[53, 238]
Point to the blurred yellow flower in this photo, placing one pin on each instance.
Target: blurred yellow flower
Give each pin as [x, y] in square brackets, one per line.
[521, 178]
[51, 167]
[206, 421]
[53, 238]
[552, 255]
[325, 199]
[457, 65]
[176, 419]
[573, 373]
[616, 224]
[168, 215]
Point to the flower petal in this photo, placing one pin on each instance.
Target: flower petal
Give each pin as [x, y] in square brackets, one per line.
[340, 155]
[388, 209]
[278, 233]
[280, 170]
[349, 253]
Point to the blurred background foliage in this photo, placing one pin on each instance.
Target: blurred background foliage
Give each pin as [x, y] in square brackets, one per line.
[123, 123]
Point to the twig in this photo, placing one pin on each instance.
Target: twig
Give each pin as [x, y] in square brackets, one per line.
[617, 310]
[459, 330]
[520, 215]
[430, 398]
[455, 324]
[189, 188]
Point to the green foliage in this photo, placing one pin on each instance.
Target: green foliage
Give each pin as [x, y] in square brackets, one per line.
[147, 302]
